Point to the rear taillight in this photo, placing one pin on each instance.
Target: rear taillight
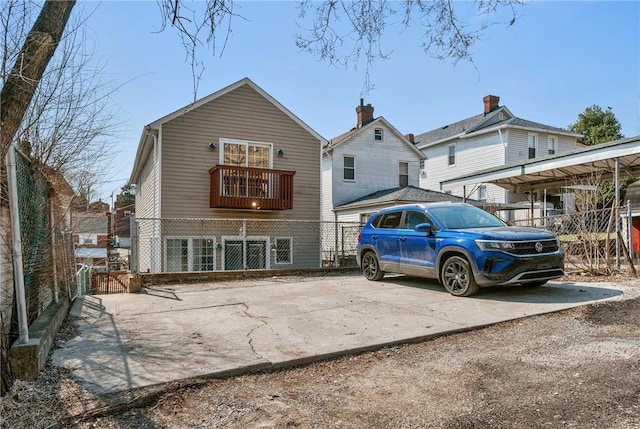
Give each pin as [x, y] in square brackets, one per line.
[359, 235]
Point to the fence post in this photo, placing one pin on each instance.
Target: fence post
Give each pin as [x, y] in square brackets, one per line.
[16, 246]
[335, 243]
[133, 245]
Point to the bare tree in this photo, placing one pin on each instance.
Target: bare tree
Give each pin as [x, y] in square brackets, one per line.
[70, 124]
[347, 33]
[20, 85]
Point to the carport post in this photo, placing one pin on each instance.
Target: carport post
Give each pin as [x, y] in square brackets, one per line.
[617, 209]
[630, 230]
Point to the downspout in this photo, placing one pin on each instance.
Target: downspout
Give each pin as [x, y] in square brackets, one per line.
[16, 247]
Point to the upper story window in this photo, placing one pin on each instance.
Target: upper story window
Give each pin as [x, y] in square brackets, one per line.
[532, 145]
[349, 168]
[246, 153]
[451, 155]
[552, 144]
[378, 134]
[403, 174]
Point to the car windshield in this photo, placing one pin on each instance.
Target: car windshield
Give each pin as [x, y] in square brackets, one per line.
[461, 217]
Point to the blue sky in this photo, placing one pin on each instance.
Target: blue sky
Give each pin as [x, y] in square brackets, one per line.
[558, 59]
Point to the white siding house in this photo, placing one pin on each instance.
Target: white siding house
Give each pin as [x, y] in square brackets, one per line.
[371, 157]
[492, 138]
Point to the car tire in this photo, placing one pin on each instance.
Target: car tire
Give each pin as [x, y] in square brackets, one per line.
[371, 266]
[535, 284]
[457, 277]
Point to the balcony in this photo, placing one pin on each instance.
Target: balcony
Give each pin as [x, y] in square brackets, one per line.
[235, 187]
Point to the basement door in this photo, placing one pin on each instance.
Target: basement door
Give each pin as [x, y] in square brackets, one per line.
[245, 255]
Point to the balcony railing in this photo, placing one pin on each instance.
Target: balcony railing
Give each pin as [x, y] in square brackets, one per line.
[236, 187]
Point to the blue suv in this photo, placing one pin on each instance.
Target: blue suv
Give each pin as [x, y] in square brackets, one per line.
[462, 246]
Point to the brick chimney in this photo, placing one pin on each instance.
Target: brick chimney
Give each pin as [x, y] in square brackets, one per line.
[365, 113]
[490, 103]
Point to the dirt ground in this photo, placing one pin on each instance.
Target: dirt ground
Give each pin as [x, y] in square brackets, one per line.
[579, 368]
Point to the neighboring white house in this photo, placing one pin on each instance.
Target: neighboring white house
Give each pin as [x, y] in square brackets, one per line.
[371, 157]
[493, 138]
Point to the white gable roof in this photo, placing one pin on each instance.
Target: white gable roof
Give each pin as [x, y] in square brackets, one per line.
[348, 136]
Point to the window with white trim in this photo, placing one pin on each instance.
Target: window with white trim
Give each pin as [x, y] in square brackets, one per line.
[284, 250]
[451, 154]
[349, 167]
[532, 145]
[378, 134]
[364, 217]
[482, 193]
[177, 254]
[246, 153]
[403, 174]
[204, 254]
[552, 144]
[189, 254]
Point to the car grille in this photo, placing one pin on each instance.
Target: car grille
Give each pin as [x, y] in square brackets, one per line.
[529, 247]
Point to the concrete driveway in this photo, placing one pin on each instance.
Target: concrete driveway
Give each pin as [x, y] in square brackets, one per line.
[174, 332]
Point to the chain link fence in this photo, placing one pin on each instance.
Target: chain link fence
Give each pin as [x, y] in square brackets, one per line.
[181, 245]
[589, 238]
[46, 259]
[184, 245]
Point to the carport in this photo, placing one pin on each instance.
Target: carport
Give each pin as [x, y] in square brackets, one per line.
[611, 161]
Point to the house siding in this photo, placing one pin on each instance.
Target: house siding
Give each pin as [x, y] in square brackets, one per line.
[476, 153]
[148, 206]
[148, 190]
[326, 190]
[242, 114]
[376, 164]
[517, 150]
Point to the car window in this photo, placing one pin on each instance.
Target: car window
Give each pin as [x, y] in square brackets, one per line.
[460, 217]
[390, 220]
[413, 218]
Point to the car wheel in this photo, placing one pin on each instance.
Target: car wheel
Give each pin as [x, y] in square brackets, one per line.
[535, 284]
[457, 277]
[371, 267]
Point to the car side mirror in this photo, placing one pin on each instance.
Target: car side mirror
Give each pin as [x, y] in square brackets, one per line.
[424, 227]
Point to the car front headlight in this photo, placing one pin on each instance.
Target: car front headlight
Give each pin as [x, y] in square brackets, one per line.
[495, 245]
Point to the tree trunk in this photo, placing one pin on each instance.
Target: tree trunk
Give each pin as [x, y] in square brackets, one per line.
[21, 84]
[15, 97]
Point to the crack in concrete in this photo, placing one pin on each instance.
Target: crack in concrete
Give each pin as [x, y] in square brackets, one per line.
[251, 332]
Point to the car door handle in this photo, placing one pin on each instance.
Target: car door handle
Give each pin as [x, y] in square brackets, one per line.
[375, 237]
[403, 238]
